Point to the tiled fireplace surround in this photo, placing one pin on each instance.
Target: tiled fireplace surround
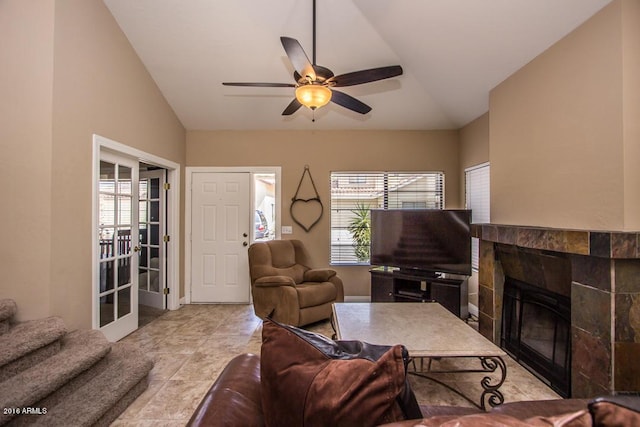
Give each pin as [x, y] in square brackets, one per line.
[604, 271]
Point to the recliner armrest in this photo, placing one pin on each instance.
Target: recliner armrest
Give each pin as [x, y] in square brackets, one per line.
[268, 281]
[318, 275]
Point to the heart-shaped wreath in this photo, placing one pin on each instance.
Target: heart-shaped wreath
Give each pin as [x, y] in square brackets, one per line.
[306, 207]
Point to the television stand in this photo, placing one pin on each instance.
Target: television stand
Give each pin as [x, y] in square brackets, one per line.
[417, 273]
[389, 285]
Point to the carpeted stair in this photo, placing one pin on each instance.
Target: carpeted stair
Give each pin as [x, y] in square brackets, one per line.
[52, 377]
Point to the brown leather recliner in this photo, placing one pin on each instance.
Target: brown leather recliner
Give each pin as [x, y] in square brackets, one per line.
[285, 287]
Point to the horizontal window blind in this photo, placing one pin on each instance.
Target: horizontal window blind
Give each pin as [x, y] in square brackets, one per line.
[477, 194]
[354, 194]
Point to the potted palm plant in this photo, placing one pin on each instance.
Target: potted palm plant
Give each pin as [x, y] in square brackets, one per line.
[360, 229]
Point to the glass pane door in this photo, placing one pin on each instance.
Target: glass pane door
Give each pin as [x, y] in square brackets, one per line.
[116, 293]
[151, 271]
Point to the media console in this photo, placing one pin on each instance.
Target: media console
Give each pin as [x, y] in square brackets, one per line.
[393, 285]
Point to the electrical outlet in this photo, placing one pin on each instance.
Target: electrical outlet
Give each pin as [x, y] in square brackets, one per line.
[287, 229]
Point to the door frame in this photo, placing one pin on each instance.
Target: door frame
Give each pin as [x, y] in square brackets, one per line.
[101, 143]
[160, 174]
[252, 170]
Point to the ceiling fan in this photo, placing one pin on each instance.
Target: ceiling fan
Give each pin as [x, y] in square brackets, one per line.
[315, 84]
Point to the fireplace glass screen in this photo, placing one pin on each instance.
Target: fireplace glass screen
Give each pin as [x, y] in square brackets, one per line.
[536, 327]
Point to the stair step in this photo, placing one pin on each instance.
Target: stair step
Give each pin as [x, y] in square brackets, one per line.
[8, 309]
[80, 350]
[97, 396]
[28, 343]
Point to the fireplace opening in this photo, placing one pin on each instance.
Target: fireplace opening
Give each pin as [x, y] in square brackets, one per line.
[536, 331]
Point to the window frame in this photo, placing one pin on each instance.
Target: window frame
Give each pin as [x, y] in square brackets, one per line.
[478, 200]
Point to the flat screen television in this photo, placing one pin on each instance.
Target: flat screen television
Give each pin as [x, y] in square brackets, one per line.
[422, 240]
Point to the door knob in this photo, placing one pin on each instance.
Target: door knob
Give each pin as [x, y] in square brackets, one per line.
[245, 235]
[244, 243]
[137, 248]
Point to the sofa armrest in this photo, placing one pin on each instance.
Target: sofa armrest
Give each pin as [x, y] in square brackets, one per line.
[270, 281]
[234, 399]
[318, 275]
[620, 410]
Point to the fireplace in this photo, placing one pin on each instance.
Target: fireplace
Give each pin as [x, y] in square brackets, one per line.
[598, 272]
[536, 331]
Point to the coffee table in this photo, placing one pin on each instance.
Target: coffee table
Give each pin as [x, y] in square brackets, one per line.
[428, 331]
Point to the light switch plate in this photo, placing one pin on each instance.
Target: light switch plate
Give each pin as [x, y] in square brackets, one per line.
[287, 229]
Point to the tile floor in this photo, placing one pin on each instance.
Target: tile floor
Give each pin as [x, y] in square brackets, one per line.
[190, 347]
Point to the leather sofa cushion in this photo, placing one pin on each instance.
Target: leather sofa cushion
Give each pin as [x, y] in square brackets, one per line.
[573, 419]
[616, 411]
[301, 385]
[312, 294]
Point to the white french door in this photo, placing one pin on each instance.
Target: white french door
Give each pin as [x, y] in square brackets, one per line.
[116, 284]
[151, 220]
[220, 235]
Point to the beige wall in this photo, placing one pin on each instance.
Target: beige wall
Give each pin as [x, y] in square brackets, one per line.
[560, 153]
[631, 111]
[474, 142]
[474, 147]
[97, 85]
[26, 76]
[326, 151]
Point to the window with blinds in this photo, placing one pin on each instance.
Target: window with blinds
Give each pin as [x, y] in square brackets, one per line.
[478, 200]
[354, 194]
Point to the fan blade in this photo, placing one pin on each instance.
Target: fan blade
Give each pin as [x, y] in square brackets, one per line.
[366, 76]
[348, 101]
[298, 57]
[260, 84]
[292, 107]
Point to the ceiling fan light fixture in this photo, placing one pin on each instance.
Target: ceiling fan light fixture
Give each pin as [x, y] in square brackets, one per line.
[313, 95]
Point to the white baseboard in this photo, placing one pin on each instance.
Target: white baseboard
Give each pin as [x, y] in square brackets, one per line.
[357, 298]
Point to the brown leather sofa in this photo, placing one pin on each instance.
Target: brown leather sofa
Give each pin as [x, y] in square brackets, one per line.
[285, 287]
[235, 400]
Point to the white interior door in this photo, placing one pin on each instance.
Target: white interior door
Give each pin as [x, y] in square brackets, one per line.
[152, 229]
[117, 289]
[220, 230]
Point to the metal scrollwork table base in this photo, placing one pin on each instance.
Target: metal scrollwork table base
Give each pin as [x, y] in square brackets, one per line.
[429, 332]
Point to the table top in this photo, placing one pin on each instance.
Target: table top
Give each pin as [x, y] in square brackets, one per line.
[425, 329]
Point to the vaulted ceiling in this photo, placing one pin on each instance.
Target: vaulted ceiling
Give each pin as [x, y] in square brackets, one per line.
[453, 53]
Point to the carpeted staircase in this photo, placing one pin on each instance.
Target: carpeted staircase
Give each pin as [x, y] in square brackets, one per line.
[52, 377]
